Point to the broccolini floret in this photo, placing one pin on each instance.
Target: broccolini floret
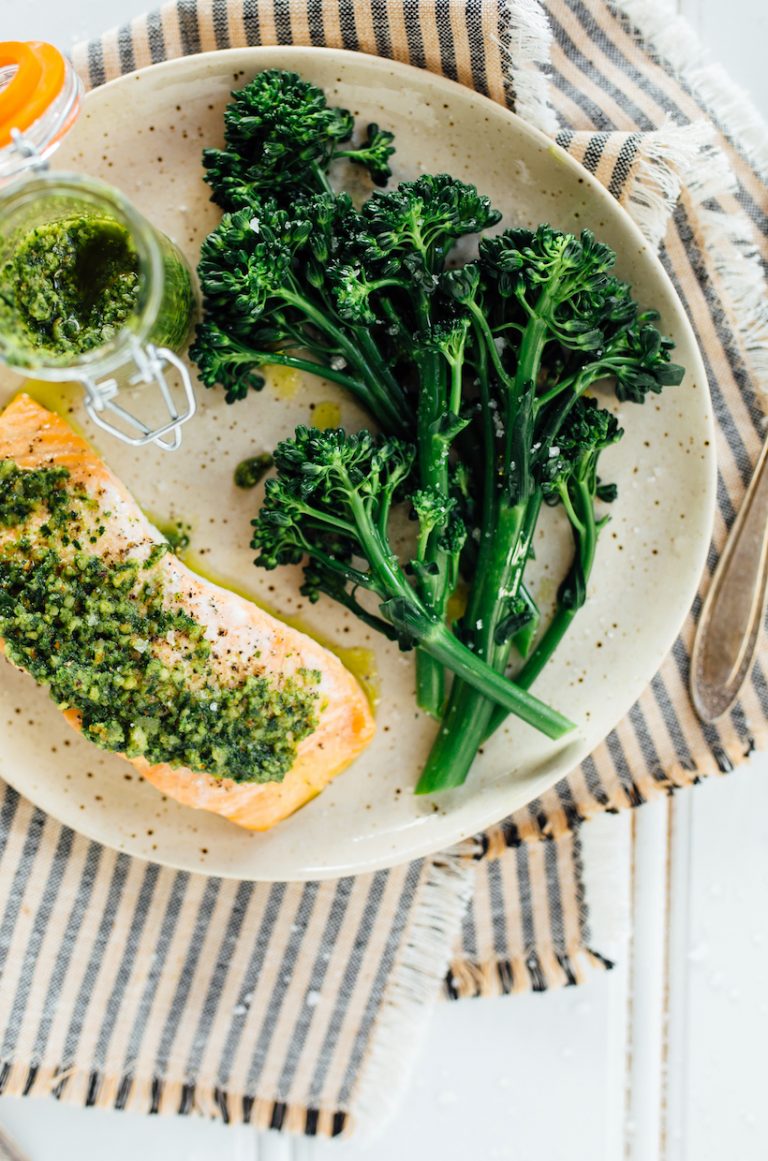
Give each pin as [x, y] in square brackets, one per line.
[281, 138]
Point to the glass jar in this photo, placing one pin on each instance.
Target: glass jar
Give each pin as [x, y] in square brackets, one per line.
[90, 291]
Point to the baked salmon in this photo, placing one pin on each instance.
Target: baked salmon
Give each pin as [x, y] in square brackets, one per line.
[250, 717]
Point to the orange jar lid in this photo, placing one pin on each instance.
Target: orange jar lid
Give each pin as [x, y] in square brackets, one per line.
[39, 79]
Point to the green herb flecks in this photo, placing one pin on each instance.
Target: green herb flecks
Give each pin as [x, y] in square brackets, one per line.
[108, 642]
[68, 287]
[252, 471]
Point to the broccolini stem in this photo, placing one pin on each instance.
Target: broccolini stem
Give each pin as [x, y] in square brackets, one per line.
[569, 510]
[464, 726]
[481, 325]
[570, 383]
[322, 370]
[387, 384]
[467, 720]
[444, 647]
[457, 383]
[430, 683]
[406, 612]
[345, 571]
[555, 631]
[343, 597]
[588, 538]
[388, 406]
[489, 446]
[503, 555]
[322, 178]
[386, 573]
[433, 473]
[523, 639]
[585, 534]
[549, 642]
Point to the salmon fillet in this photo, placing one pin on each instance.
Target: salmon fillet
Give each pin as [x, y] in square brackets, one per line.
[244, 640]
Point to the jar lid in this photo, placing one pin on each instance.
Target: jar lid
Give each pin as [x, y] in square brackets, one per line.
[37, 81]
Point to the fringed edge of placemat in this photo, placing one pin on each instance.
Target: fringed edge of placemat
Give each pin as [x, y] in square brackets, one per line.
[156, 1096]
[409, 1003]
[672, 40]
[403, 1017]
[599, 857]
[533, 972]
[524, 43]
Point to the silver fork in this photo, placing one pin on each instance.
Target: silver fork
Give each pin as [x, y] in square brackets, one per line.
[731, 619]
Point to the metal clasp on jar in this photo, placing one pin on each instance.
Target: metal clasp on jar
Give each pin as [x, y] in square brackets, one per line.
[151, 363]
[31, 158]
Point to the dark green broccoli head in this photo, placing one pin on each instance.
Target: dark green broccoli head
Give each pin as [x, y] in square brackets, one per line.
[329, 499]
[639, 360]
[351, 293]
[568, 283]
[223, 361]
[277, 130]
[278, 532]
[462, 284]
[253, 256]
[432, 508]
[562, 278]
[247, 259]
[319, 578]
[453, 535]
[373, 153]
[281, 137]
[413, 228]
[449, 336]
[329, 467]
[587, 430]
[544, 256]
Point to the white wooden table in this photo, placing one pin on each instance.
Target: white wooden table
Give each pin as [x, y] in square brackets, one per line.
[660, 1060]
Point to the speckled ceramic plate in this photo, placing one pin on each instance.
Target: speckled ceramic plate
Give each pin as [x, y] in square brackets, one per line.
[144, 133]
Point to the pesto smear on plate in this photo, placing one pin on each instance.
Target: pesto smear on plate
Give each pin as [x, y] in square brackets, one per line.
[106, 636]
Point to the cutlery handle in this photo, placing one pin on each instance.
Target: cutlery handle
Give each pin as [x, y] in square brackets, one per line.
[731, 618]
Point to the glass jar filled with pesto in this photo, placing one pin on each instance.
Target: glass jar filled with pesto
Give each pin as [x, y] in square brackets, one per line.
[90, 291]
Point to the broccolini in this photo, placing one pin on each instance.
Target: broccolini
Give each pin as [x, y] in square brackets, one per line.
[476, 371]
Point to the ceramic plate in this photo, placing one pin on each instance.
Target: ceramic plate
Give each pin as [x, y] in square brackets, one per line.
[143, 133]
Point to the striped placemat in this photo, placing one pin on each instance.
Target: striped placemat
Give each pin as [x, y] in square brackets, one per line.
[299, 1006]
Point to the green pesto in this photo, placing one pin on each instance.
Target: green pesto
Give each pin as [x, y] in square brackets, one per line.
[178, 535]
[22, 492]
[70, 285]
[179, 304]
[95, 631]
[252, 471]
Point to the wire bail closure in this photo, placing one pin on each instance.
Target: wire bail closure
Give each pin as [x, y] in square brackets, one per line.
[151, 363]
[32, 160]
